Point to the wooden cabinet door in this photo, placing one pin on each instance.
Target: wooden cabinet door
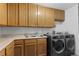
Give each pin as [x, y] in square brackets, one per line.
[18, 48]
[23, 14]
[42, 50]
[49, 18]
[12, 14]
[2, 52]
[30, 47]
[3, 14]
[41, 16]
[10, 49]
[32, 15]
[41, 47]
[59, 15]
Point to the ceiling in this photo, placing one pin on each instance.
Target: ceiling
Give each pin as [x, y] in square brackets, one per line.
[62, 6]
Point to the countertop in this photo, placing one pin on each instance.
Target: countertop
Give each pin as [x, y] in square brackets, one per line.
[4, 41]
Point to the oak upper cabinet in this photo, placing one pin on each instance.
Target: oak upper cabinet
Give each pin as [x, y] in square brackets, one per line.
[41, 47]
[2, 52]
[30, 47]
[18, 48]
[12, 14]
[10, 49]
[32, 15]
[59, 15]
[23, 14]
[41, 16]
[45, 17]
[49, 18]
[3, 14]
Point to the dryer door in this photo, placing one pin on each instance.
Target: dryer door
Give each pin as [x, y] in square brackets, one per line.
[59, 46]
[70, 44]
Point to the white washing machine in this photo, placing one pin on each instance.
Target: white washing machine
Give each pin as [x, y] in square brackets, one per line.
[58, 45]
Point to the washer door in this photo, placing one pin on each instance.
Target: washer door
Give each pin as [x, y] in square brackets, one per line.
[70, 44]
[59, 46]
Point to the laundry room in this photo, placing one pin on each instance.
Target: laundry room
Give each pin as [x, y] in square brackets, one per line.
[39, 29]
